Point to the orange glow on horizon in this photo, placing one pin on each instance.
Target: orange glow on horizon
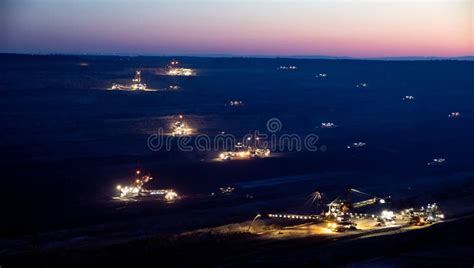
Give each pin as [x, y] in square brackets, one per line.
[334, 28]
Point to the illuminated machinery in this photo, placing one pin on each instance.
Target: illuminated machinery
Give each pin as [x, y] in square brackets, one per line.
[328, 125]
[136, 84]
[339, 210]
[287, 67]
[315, 198]
[454, 115]
[357, 145]
[174, 69]
[236, 103]
[136, 190]
[437, 162]
[339, 214]
[386, 218]
[226, 190]
[424, 215]
[246, 151]
[408, 98]
[180, 128]
[239, 152]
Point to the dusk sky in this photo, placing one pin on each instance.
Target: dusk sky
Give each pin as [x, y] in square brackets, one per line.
[165, 27]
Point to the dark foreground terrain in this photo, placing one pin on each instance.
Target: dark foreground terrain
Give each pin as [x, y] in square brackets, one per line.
[66, 142]
[442, 245]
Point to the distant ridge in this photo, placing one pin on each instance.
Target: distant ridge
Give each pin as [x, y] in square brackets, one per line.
[468, 58]
[322, 57]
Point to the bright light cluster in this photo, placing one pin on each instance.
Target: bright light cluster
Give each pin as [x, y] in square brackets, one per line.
[437, 161]
[454, 114]
[245, 152]
[235, 103]
[136, 84]
[180, 72]
[287, 67]
[127, 191]
[328, 125]
[387, 215]
[174, 70]
[136, 190]
[171, 195]
[357, 145]
[180, 128]
[296, 217]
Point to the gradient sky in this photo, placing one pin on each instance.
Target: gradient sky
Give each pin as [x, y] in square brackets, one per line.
[262, 27]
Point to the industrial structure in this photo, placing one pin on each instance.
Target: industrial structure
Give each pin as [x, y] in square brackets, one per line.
[252, 149]
[437, 162]
[235, 103]
[339, 210]
[287, 67]
[174, 69]
[356, 145]
[454, 114]
[328, 125]
[363, 84]
[341, 214]
[136, 191]
[423, 215]
[173, 87]
[226, 190]
[136, 84]
[180, 128]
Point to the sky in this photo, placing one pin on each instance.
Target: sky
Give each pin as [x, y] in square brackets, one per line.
[377, 28]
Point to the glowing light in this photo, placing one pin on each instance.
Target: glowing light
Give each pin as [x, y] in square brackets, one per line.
[180, 128]
[242, 151]
[180, 72]
[244, 154]
[454, 114]
[389, 215]
[174, 70]
[235, 103]
[171, 195]
[328, 125]
[136, 84]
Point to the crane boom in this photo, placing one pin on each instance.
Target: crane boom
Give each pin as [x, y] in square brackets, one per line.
[365, 202]
[344, 201]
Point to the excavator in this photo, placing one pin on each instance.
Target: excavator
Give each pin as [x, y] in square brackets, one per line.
[136, 84]
[338, 215]
[175, 70]
[339, 209]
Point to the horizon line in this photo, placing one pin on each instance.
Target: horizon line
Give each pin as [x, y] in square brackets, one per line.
[225, 55]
